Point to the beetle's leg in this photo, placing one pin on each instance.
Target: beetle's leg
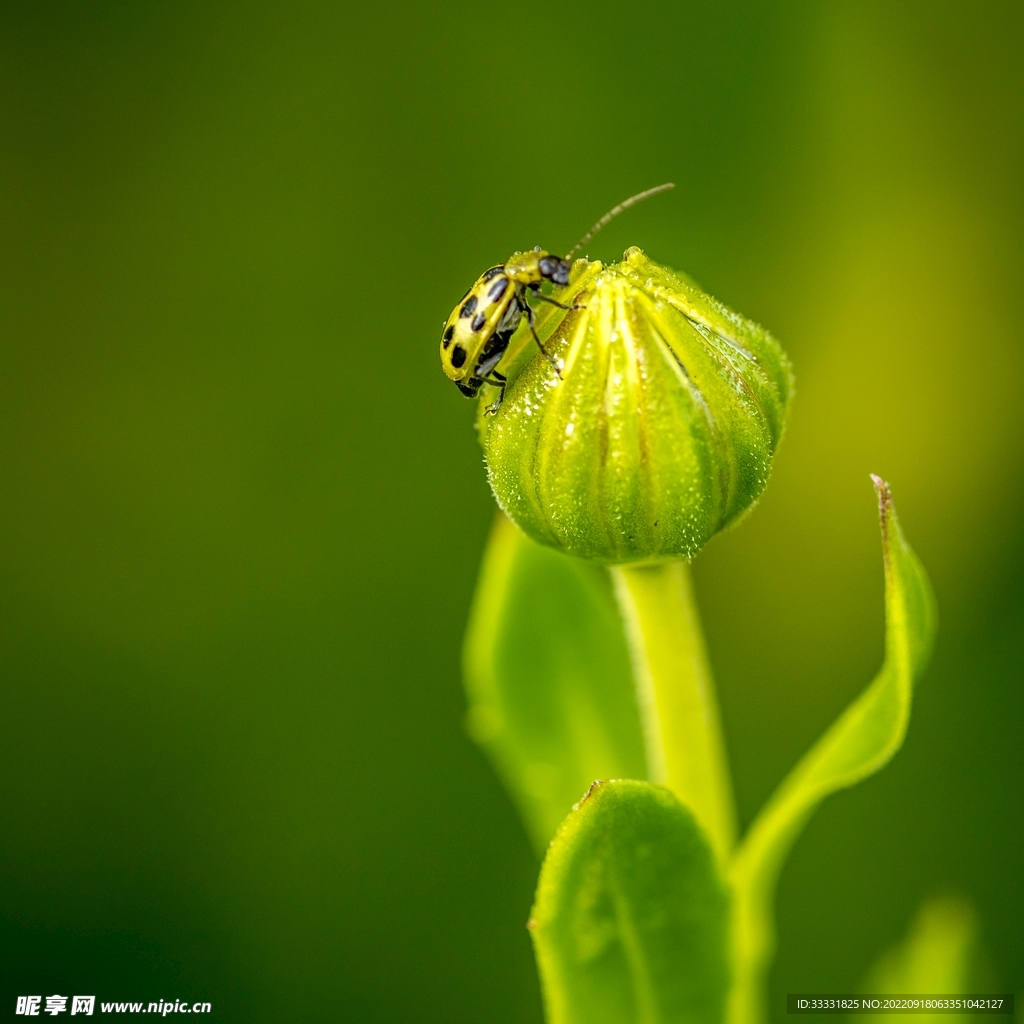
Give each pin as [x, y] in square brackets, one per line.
[536, 337]
[555, 302]
[498, 380]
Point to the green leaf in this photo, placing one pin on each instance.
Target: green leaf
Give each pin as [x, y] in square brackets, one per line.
[631, 920]
[860, 742]
[939, 956]
[549, 679]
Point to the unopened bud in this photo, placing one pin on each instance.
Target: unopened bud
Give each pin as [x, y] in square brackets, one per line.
[657, 429]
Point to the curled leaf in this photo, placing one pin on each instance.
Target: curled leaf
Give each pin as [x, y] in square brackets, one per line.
[862, 740]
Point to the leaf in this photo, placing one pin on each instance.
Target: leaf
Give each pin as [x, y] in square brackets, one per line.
[631, 920]
[939, 956]
[549, 678]
[861, 741]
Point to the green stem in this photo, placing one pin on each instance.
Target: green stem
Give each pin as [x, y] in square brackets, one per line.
[683, 736]
[753, 945]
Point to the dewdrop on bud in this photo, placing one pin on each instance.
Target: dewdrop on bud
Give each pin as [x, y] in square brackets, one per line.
[656, 431]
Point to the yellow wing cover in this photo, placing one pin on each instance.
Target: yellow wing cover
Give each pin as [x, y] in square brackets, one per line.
[480, 326]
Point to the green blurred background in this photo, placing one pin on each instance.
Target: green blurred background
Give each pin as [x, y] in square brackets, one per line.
[242, 508]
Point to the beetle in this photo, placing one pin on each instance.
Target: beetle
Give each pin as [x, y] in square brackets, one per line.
[480, 327]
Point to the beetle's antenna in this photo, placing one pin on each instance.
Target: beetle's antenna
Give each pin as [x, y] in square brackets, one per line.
[614, 212]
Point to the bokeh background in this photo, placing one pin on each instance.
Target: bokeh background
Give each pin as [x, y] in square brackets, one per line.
[241, 508]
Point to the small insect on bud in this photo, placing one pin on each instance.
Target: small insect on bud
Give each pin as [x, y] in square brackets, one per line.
[650, 426]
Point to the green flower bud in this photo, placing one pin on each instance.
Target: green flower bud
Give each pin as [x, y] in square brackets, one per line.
[659, 429]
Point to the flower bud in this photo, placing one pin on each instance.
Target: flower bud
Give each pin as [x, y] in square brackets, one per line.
[659, 428]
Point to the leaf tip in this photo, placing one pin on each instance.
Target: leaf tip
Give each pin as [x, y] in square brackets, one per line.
[594, 786]
[885, 509]
[883, 492]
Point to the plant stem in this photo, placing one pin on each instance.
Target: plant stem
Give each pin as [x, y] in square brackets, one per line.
[682, 733]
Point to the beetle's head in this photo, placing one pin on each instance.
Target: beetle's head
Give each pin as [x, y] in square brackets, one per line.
[554, 269]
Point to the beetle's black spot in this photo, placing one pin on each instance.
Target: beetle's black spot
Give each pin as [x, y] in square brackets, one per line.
[469, 308]
[492, 272]
[446, 339]
[458, 356]
[478, 321]
[498, 289]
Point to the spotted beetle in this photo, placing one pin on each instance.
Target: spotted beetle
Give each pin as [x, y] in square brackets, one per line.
[480, 327]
